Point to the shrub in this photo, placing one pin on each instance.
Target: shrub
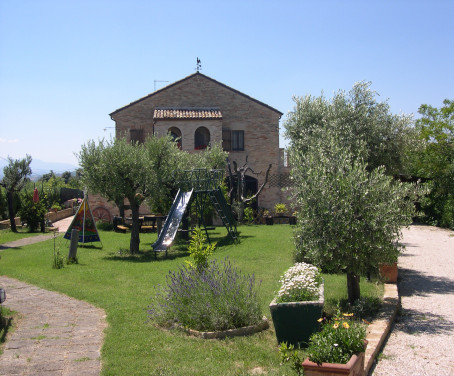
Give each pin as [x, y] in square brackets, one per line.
[198, 250]
[299, 283]
[32, 213]
[217, 297]
[338, 340]
[248, 216]
[56, 206]
[280, 209]
[105, 226]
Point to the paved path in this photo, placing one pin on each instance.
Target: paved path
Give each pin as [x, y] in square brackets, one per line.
[61, 226]
[422, 340]
[56, 335]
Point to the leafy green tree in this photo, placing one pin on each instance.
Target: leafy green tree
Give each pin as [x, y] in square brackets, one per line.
[3, 203]
[48, 176]
[32, 212]
[66, 176]
[358, 118]
[15, 176]
[117, 169]
[349, 212]
[435, 161]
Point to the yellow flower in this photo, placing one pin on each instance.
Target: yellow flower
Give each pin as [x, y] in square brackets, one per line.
[347, 314]
[336, 325]
[320, 319]
[345, 325]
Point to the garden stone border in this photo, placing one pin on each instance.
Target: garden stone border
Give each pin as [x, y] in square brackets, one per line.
[379, 328]
[230, 333]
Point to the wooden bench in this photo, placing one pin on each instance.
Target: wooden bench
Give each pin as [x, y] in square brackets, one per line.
[122, 228]
[147, 228]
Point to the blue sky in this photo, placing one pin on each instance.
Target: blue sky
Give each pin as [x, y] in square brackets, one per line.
[65, 65]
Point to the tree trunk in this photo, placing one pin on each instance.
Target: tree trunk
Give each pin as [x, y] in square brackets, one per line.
[353, 289]
[135, 229]
[122, 212]
[11, 211]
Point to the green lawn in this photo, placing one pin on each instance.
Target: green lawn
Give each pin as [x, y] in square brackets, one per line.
[7, 235]
[122, 285]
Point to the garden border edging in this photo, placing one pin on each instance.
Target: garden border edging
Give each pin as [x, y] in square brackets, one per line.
[379, 328]
[238, 332]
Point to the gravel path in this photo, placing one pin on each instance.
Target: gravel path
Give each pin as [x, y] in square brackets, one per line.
[422, 340]
[56, 334]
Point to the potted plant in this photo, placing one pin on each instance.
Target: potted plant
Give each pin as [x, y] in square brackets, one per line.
[292, 219]
[339, 348]
[298, 304]
[268, 218]
[389, 272]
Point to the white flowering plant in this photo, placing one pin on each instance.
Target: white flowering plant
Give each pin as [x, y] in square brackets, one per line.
[300, 282]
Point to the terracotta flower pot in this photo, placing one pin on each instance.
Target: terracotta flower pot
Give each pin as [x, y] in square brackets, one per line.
[354, 367]
[294, 322]
[389, 272]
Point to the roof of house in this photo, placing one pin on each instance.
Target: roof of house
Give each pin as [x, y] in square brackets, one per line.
[164, 113]
[189, 77]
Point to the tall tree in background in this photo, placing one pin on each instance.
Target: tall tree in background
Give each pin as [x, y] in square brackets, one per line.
[435, 161]
[357, 117]
[349, 211]
[116, 170]
[15, 176]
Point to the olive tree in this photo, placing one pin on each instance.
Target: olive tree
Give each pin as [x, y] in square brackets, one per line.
[15, 176]
[357, 117]
[117, 169]
[349, 211]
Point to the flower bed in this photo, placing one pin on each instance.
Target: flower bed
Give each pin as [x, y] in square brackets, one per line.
[215, 298]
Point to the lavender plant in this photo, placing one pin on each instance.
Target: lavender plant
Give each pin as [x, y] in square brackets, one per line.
[218, 297]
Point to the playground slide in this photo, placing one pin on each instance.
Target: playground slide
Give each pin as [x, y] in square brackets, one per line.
[172, 222]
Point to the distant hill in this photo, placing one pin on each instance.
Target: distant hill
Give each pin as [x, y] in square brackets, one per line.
[39, 168]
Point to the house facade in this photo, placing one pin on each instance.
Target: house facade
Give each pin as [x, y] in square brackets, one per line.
[200, 111]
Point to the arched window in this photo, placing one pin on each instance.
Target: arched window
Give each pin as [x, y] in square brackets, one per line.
[176, 135]
[201, 138]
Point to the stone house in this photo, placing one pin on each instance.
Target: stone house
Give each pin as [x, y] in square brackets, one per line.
[200, 111]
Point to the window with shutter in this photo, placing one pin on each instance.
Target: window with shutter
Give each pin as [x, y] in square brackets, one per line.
[238, 140]
[136, 135]
[226, 139]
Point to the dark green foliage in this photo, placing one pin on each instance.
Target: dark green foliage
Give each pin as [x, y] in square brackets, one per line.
[3, 204]
[15, 176]
[435, 160]
[105, 226]
[32, 213]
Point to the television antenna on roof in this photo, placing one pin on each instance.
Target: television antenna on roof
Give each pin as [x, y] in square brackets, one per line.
[157, 81]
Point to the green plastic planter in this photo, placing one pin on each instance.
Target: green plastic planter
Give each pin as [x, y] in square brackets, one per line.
[294, 322]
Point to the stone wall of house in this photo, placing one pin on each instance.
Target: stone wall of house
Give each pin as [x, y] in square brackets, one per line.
[188, 128]
[97, 201]
[259, 122]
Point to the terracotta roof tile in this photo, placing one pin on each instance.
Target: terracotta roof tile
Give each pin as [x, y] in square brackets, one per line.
[187, 113]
